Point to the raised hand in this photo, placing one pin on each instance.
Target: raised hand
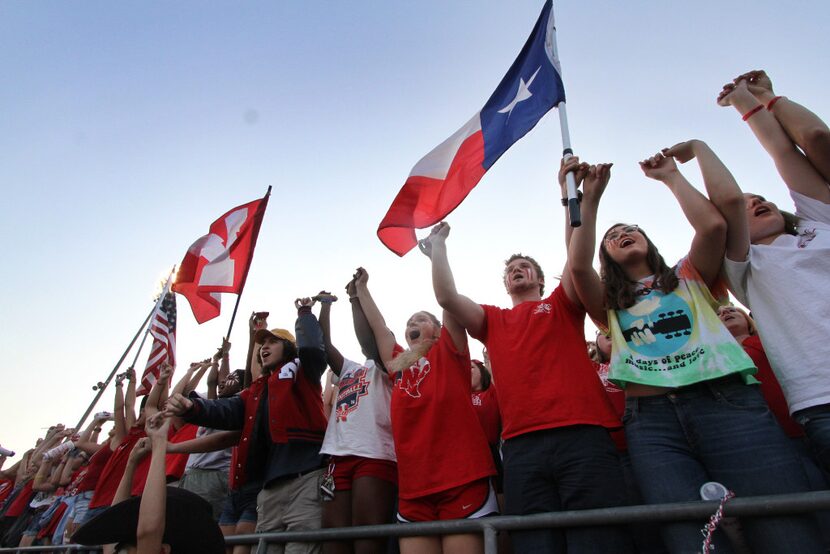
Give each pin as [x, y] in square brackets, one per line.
[658, 167]
[439, 233]
[596, 180]
[324, 297]
[682, 151]
[580, 169]
[304, 302]
[257, 321]
[758, 83]
[351, 288]
[361, 277]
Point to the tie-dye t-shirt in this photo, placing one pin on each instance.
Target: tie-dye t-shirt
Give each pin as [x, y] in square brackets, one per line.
[675, 339]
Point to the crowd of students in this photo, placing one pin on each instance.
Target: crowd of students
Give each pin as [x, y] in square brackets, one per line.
[682, 390]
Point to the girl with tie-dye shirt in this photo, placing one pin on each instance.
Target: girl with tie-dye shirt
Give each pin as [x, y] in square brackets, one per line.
[693, 411]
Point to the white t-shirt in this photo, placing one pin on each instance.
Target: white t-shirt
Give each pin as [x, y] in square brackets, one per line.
[359, 424]
[786, 284]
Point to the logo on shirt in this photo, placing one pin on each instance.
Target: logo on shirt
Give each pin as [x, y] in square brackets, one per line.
[352, 388]
[288, 371]
[543, 308]
[805, 237]
[411, 378]
[657, 325]
[476, 399]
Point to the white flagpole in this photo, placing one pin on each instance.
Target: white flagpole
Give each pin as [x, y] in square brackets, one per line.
[567, 152]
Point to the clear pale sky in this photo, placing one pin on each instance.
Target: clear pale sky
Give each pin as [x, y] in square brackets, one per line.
[127, 128]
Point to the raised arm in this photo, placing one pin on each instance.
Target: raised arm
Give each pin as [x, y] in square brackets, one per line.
[334, 356]
[795, 169]
[586, 283]
[580, 170]
[181, 387]
[207, 443]
[129, 399]
[465, 311]
[125, 485]
[362, 329]
[118, 418]
[153, 507]
[709, 242]
[215, 377]
[384, 338]
[310, 347]
[723, 192]
[253, 369]
[804, 128]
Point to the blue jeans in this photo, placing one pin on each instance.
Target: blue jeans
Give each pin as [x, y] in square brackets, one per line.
[816, 423]
[721, 431]
[567, 468]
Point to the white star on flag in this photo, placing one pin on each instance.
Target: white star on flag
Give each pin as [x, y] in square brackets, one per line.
[523, 93]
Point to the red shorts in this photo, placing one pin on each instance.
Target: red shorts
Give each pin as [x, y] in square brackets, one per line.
[469, 501]
[349, 468]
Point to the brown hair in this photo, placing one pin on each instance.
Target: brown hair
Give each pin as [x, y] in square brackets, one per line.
[535, 265]
[486, 378]
[620, 291]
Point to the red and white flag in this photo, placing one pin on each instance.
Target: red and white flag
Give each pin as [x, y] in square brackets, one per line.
[163, 330]
[219, 261]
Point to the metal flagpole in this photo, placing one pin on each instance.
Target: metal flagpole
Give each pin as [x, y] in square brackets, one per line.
[164, 292]
[103, 386]
[567, 152]
[106, 383]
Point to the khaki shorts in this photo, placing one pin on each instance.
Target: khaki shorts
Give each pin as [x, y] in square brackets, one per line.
[291, 505]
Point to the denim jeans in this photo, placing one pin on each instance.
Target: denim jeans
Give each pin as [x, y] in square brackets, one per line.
[816, 423]
[567, 468]
[718, 431]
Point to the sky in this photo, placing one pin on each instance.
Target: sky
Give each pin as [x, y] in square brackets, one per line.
[127, 128]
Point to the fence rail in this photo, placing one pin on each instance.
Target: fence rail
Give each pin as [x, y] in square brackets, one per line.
[757, 506]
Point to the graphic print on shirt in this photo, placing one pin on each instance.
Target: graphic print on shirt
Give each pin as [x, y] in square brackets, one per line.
[543, 308]
[352, 388]
[805, 237]
[657, 325]
[410, 378]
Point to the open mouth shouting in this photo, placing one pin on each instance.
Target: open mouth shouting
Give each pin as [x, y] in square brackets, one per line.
[414, 334]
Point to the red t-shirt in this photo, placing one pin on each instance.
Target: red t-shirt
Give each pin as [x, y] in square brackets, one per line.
[114, 469]
[175, 463]
[21, 500]
[540, 362]
[770, 388]
[486, 406]
[617, 397]
[438, 439]
[90, 474]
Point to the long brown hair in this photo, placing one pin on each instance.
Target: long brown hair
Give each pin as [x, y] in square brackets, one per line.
[620, 291]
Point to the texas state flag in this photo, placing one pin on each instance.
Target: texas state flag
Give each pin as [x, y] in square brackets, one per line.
[441, 180]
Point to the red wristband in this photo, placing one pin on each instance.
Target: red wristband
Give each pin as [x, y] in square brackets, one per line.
[753, 111]
[772, 102]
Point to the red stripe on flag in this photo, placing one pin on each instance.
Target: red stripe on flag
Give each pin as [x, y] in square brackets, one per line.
[425, 201]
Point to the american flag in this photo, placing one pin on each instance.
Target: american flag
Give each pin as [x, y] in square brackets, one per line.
[163, 330]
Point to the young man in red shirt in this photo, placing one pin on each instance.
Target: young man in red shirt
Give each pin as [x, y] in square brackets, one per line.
[558, 454]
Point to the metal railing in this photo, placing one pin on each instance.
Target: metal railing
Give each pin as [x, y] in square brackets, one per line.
[757, 506]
